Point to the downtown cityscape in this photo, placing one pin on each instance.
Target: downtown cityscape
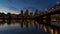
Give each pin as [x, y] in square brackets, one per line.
[36, 18]
[46, 21]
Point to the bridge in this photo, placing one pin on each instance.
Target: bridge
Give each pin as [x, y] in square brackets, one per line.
[47, 15]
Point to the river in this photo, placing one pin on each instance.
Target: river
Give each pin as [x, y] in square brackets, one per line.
[31, 29]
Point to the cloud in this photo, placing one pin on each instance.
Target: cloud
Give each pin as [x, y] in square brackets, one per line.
[13, 8]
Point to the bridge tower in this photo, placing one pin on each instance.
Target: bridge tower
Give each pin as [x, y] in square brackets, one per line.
[48, 19]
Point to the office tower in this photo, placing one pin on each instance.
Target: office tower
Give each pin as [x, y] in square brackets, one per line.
[9, 18]
[21, 12]
[36, 12]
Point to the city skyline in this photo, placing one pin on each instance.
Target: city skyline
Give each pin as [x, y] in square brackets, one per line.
[14, 6]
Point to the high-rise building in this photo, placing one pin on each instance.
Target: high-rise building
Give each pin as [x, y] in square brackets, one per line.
[36, 11]
[9, 18]
[21, 12]
[26, 13]
[31, 14]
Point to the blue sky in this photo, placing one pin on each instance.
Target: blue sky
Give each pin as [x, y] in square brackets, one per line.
[17, 5]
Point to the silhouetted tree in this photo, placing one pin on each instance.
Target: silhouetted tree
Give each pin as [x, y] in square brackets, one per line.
[3, 15]
[3, 20]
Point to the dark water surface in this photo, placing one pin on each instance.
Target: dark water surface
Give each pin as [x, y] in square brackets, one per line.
[15, 29]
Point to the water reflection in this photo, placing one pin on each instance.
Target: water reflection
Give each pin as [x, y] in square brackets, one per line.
[35, 25]
[45, 29]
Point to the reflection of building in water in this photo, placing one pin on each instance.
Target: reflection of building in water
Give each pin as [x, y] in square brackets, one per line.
[49, 29]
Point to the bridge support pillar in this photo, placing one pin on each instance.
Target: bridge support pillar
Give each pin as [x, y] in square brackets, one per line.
[48, 19]
[40, 20]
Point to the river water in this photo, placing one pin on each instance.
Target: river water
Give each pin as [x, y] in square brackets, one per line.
[31, 29]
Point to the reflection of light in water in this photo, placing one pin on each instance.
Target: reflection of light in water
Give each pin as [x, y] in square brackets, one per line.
[41, 26]
[6, 25]
[56, 32]
[36, 23]
[45, 29]
[24, 25]
[51, 30]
